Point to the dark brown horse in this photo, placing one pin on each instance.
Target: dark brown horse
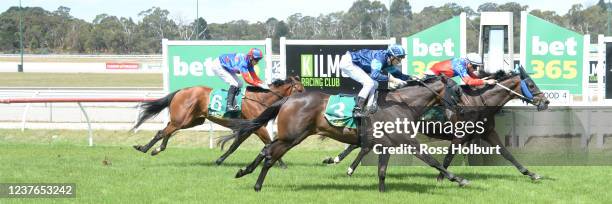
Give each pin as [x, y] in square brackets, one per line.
[484, 103]
[189, 107]
[302, 115]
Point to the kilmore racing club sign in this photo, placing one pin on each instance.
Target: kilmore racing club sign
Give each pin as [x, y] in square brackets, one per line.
[317, 63]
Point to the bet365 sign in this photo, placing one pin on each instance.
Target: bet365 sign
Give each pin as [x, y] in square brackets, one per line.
[187, 63]
[553, 55]
[438, 43]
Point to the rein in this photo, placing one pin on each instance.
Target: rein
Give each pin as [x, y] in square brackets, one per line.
[272, 92]
[517, 94]
[436, 93]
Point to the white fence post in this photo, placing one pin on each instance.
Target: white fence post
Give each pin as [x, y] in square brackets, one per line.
[88, 124]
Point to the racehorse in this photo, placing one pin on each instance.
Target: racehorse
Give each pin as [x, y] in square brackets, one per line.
[189, 107]
[302, 115]
[484, 103]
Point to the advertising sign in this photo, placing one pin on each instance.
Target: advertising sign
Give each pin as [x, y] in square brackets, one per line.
[317, 63]
[552, 54]
[185, 61]
[438, 43]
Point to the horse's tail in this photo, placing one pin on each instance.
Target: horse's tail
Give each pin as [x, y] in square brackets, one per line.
[152, 108]
[243, 128]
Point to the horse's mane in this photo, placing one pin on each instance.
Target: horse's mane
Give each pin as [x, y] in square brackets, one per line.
[502, 75]
[280, 82]
[275, 83]
[256, 89]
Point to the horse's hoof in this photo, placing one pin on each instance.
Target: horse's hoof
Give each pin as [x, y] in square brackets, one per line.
[350, 171]
[257, 188]
[219, 162]
[138, 147]
[463, 182]
[535, 177]
[240, 173]
[328, 160]
[440, 177]
[282, 165]
[156, 151]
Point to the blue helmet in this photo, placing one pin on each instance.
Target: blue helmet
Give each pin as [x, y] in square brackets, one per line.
[396, 50]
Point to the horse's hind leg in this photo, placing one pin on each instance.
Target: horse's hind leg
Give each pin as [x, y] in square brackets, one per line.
[448, 158]
[148, 146]
[261, 133]
[362, 152]
[253, 165]
[493, 140]
[428, 159]
[276, 151]
[237, 142]
[167, 133]
[383, 161]
[264, 136]
[171, 129]
[341, 156]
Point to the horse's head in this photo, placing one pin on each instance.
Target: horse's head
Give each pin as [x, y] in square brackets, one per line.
[288, 86]
[522, 83]
[532, 91]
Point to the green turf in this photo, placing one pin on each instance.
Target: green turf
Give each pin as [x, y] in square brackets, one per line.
[80, 80]
[185, 173]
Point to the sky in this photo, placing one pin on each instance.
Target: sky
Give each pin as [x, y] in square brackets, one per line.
[221, 11]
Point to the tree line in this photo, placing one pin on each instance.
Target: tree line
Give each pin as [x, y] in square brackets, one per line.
[59, 32]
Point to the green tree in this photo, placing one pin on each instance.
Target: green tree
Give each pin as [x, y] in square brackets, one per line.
[154, 26]
[368, 19]
[489, 6]
[9, 30]
[270, 27]
[400, 17]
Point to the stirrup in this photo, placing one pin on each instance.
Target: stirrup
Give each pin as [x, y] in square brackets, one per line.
[358, 113]
[232, 108]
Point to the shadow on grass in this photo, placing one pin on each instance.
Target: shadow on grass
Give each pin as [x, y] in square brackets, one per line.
[229, 164]
[469, 176]
[373, 187]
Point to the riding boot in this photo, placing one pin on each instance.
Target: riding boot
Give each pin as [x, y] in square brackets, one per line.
[231, 99]
[359, 110]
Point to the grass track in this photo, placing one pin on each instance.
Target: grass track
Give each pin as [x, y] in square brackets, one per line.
[185, 172]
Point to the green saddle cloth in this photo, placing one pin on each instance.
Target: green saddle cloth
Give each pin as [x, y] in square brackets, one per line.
[339, 111]
[217, 104]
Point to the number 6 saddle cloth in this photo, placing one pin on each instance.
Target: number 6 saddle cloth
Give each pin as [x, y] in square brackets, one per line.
[217, 104]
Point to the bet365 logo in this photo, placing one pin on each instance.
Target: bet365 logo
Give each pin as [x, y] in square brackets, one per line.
[195, 67]
[314, 65]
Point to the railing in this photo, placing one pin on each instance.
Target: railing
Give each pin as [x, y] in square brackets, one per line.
[91, 95]
[29, 97]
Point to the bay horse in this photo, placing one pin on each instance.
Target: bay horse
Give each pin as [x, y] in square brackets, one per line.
[188, 107]
[302, 115]
[484, 103]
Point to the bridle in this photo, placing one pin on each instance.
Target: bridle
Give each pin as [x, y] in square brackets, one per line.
[524, 88]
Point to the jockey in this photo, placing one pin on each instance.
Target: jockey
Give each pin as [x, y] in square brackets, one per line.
[366, 66]
[228, 65]
[462, 67]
